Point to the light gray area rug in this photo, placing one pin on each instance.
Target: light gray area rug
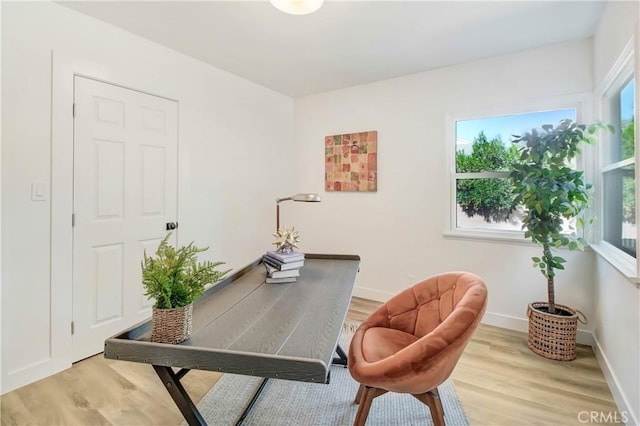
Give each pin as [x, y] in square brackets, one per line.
[285, 402]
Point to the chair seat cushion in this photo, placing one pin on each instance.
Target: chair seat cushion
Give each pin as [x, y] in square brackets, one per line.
[381, 342]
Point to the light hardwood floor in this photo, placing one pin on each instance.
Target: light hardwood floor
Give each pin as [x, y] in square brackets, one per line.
[498, 380]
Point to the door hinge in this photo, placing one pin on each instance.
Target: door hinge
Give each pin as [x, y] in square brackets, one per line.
[73, 327]
[73, 220]
[73, 110]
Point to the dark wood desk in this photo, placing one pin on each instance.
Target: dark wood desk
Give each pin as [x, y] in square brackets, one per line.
[244, 326]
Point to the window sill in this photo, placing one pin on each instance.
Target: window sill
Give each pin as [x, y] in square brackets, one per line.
[624, 263]
[508, 237]
[511, 237]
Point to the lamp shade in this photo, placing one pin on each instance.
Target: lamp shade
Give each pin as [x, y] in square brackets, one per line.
[297, 7]
[306, 197]
[309, 198]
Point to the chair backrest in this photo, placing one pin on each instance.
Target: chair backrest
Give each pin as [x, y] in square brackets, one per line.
[424, 306]
[442, 312]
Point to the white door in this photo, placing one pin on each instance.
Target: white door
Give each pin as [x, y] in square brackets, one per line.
[125, 192]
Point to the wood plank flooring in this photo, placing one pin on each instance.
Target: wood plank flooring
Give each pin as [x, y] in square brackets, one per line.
[501, 382]
[498, 380]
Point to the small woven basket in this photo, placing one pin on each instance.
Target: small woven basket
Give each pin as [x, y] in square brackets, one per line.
[171, 325]
[553, 336]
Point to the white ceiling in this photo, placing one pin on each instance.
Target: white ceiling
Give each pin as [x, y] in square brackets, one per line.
[346, 43]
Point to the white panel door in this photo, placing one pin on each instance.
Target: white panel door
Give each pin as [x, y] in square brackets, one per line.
[125, 191]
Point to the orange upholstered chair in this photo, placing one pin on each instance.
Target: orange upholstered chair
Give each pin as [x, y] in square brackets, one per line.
[412, 343]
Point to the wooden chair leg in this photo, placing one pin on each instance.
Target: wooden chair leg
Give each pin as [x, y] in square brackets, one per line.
[432, 399]
[365, 404]
[361, 391]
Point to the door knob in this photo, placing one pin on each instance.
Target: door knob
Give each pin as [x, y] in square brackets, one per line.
[171, 226]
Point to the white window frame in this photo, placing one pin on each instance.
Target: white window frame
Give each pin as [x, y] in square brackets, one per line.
[622, 70]
[580, 102]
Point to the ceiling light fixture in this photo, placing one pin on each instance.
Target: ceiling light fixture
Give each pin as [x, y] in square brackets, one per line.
[297, 7]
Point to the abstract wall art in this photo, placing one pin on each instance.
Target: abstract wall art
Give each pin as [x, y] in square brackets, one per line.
[351, 162]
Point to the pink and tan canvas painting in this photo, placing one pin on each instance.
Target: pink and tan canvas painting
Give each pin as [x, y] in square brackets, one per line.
[351, 162]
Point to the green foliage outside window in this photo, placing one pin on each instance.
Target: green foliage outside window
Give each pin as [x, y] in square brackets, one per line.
[628, 185]
[488, 197]
[628, 138]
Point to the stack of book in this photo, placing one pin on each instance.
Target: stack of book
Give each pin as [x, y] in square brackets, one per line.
[283, 267]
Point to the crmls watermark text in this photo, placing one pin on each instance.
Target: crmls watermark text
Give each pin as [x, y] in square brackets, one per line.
[603, 417]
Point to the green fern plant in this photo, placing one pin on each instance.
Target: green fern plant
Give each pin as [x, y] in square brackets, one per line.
[174, 278]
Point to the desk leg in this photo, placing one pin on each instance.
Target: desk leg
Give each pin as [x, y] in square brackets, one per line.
[255, 397]
[342, 357]
[171, 382]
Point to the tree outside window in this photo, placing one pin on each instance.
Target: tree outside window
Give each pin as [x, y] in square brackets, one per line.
[489, 198]
[483, 158]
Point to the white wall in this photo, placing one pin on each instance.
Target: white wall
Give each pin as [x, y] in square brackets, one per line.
[616, 323]
[616, 328]
[235, 147]
[615, 29]
[398, 230]
[0, 209]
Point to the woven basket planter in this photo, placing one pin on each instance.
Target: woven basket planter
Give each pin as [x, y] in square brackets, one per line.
[171, 325]
[553, 336]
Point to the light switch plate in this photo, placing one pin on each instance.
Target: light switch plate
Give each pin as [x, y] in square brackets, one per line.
[38, 191]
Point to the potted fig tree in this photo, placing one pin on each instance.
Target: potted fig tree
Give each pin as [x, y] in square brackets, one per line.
[552, 194]
[175, 279]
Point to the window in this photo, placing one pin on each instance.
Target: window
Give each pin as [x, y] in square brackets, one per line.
[616, 217]
[483, 156]
[619, 169]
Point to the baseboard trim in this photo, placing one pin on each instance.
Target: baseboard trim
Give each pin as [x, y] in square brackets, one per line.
[32, 373]
[372, 294]
[616, 390]
[584, 337]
